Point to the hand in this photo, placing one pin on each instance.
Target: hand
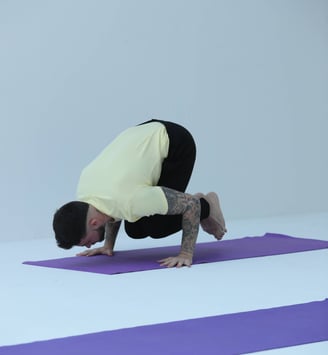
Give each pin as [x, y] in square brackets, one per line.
[181, 260]
[97, 251]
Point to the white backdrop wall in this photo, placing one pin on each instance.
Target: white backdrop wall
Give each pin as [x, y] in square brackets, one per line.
[248, 78]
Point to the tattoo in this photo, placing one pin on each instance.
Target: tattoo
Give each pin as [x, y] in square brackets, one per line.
[189, 207]
[111, 232]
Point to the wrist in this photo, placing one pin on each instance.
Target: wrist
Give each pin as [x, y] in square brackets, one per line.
[108, 244]
[188, 254]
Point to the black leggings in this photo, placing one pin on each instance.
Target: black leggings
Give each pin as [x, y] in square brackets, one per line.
[175, 174]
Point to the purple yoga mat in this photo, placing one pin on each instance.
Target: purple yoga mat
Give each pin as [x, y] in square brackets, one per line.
[146, 259]
[237, 333]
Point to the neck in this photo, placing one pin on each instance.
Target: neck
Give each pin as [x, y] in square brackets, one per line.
[102, 217]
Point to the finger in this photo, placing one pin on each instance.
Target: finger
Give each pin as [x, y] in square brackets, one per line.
[89, 252]
[167, 262]
[162, 260]
[171, 264]
[188, 263]
[83, 253]
[92, 252]
[182, 263]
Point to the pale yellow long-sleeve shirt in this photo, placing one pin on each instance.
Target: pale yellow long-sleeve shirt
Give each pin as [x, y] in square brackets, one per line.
[121, 181]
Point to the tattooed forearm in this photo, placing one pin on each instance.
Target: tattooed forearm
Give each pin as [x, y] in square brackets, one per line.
[111, 233]
[189, 208]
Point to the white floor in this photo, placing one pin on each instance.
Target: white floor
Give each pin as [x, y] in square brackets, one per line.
[40, 303]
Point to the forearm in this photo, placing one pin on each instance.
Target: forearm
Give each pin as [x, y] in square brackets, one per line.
[190, 227]
[111, 234]
[189, 208]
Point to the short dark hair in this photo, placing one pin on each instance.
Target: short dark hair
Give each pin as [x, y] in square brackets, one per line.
[69, 223]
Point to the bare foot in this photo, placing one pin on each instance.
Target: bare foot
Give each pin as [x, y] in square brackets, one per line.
[214, 224]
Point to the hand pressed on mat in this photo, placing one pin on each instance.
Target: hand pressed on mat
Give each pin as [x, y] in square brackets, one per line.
[183, 259]
[104, 250]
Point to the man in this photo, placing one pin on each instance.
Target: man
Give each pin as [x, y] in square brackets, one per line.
[140, 178]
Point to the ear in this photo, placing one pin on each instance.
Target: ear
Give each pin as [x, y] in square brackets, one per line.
[93, 222]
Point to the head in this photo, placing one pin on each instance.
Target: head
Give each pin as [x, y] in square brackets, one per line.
[78, 223]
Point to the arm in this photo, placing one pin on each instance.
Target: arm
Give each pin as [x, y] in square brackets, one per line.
[189, 208]
[111, 231]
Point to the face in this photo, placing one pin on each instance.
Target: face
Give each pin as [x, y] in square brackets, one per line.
[92, 237]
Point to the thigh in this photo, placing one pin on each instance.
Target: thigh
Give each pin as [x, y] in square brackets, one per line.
[178, 166]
